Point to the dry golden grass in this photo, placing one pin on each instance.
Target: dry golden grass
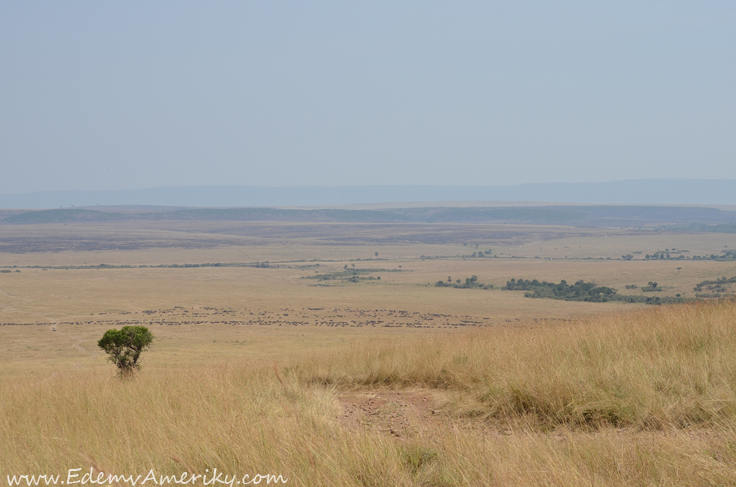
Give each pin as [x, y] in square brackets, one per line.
[642, 398]
[665, 367]
[621, 395]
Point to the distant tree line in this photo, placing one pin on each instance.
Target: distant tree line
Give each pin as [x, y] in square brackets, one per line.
[469, 283]
[725, 255]
[728, 255]
[663, 256]
[580, 291]
[717, 288]
[261, 265]
[350, 274]
[481, 254]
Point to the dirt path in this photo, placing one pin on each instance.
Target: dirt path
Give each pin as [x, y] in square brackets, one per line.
[77, 345]
[398, 413]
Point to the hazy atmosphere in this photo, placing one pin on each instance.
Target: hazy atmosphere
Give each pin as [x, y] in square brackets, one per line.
[113, 96]
[367, 244]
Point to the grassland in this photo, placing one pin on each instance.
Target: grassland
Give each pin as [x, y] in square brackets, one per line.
[376, 382]
[644, 398]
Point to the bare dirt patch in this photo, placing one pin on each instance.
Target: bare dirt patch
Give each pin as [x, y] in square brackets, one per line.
[398, 413]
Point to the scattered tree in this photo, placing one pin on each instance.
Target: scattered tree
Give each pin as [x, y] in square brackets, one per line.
[125, 346]
[652, 287]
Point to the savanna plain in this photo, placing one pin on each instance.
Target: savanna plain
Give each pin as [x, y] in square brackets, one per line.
[327, 353]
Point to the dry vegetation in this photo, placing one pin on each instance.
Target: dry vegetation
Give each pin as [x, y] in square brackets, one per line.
[390, 382]
[644, 398]
[667, 367]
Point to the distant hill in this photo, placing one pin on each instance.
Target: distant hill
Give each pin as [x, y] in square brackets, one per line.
[62, 216]
[631, 192]
[700, 219]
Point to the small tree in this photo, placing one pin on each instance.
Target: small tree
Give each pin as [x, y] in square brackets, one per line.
[125, 346]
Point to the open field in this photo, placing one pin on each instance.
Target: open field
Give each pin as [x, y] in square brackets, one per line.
[292, 368]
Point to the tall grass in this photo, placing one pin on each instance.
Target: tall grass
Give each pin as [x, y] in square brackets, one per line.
[667, 366]
[564, 392]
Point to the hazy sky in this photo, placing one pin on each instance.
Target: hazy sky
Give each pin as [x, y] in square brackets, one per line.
[125, 95]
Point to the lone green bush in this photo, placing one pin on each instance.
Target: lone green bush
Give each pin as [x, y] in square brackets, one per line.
[125, 346]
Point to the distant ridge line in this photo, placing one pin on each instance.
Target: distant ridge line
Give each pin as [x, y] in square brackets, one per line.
[626, 192]
[694, 218]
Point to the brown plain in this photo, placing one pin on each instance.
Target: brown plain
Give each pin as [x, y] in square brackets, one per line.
[379, 382]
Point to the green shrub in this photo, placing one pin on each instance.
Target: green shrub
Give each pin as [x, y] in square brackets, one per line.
[125, 346]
